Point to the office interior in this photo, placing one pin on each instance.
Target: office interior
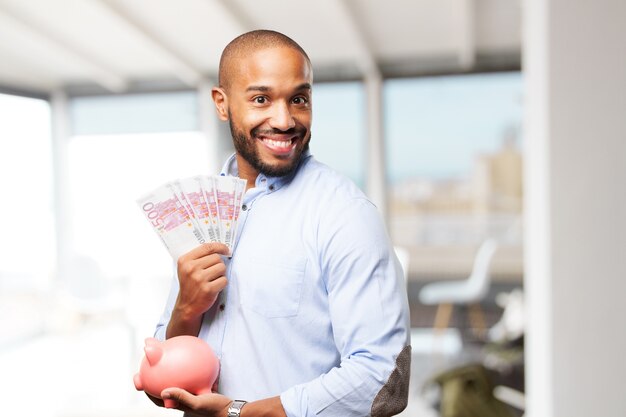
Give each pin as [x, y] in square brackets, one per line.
[489, 133]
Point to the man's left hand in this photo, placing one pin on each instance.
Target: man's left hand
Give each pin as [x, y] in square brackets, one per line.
[207, 405]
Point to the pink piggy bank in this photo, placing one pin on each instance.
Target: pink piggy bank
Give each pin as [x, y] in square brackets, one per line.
[185, 362]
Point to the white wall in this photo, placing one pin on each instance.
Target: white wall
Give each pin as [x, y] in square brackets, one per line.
[575, 69]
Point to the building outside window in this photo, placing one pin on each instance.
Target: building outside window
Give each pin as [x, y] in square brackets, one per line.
[454, 170]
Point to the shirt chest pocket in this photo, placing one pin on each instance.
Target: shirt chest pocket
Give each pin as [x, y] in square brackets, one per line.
[271, 289]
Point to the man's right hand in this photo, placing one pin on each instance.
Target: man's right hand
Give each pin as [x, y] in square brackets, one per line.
[201, 277]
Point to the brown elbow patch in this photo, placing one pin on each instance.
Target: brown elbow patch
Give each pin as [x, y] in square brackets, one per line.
[393, 396]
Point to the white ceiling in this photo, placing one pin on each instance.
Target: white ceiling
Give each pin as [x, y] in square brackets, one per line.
[122, 45]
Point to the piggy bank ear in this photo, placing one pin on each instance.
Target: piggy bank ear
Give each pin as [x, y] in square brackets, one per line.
[153, 354]
[151, 341]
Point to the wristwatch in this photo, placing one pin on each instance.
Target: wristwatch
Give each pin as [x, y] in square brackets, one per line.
[234, 409]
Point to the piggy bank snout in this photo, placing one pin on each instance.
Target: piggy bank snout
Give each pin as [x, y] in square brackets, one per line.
[137, 382]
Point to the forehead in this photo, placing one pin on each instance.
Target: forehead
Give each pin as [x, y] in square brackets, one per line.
[271, 67]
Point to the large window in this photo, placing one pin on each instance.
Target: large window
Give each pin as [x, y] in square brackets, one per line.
[27, 239]
[107, 174]
[124, 147]
[454, 166]
[338, 134]
[114, 158]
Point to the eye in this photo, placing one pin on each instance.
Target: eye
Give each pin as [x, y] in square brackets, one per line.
[260, 100]
[300, 100]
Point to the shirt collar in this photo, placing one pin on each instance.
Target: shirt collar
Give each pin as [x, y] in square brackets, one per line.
[272, 183]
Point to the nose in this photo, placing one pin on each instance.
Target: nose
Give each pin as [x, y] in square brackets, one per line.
[281, 117]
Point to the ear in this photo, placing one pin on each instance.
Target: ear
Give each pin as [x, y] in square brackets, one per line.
[221, 102]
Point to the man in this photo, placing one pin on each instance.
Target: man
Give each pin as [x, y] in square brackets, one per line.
[309, 314]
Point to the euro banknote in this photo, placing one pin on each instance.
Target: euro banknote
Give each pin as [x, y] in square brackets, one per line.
[188, 212]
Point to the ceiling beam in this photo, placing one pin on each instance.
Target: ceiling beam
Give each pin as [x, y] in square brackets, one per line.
[29, 92]
[244, 22]
[183, 69]
[99, 72]
[365, 57]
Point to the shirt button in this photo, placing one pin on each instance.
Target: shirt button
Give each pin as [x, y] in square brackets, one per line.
[244, 207]
[222, 307]
[272, 187]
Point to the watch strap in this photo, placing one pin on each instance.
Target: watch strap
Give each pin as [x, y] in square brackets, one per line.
[234, 409]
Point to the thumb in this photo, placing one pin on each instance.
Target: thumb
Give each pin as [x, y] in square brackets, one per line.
[177, 398]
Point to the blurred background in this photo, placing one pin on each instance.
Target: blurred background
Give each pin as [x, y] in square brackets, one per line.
[489, 133]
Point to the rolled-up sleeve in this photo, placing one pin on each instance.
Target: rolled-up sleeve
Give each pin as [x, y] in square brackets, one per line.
[369, 313]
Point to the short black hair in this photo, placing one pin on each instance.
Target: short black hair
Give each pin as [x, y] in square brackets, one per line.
[242, 45]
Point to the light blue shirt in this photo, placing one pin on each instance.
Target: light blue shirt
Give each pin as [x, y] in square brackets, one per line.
[315, 309]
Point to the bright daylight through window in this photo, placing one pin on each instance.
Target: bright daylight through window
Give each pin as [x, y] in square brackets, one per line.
[26, 183]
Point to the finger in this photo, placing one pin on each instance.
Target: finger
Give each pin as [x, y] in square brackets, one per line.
[217, 284]
[182, 399]
[211, 248]
[210, 266]
[208, 261]
[199, 274]
[204, 250]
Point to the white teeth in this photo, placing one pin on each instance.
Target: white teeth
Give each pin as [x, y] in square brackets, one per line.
[278, 143]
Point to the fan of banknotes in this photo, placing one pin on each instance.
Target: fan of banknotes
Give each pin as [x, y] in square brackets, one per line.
[190, 211]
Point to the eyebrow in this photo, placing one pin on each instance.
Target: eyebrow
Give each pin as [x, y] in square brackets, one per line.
[264, 89]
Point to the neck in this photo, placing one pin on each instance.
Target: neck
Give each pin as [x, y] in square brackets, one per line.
[246, 171]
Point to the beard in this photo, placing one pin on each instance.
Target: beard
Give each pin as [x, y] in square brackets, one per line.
[247, 148]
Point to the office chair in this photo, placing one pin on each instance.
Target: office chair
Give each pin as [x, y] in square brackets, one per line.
[470, 291]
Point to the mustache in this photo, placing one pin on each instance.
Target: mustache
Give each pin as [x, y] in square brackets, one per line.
[296, 130]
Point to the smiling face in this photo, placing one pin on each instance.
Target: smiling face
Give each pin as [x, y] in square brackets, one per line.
[267, 103]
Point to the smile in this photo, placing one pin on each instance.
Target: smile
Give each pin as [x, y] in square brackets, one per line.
[284, 144]
[280, 146]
